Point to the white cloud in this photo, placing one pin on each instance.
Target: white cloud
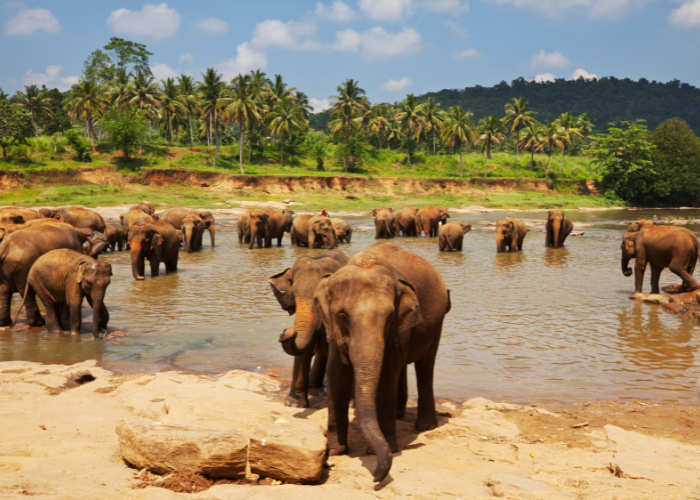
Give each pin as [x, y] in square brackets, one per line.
[212, 25]
[455, 7]
[347, 41]
[246, 60]
[549, 60]
[162, 71]
[29, 21]
[319, 104]
[187, 57]
[544, 77]
[396, 85]
[467, 54]
[156, 21]
[582, 73]
[558, 9]
[52, 78]
[457, 30]
[377, 43]
[290, 35]
[687, 15]
[338, 11]
[386, 10]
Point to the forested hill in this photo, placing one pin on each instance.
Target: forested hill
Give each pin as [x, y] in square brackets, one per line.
[605, 100]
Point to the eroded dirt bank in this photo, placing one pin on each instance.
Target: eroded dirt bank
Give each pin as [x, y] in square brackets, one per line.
[59, 442]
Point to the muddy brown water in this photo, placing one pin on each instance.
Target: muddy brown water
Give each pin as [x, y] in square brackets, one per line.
[541, 325]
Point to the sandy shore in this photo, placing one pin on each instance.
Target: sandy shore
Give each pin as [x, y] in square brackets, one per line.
[58, 442]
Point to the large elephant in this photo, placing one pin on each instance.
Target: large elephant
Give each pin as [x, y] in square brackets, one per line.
[314, 231]
[343, 230]
[661, 246]
[27, 214]
[428, 220]
[146, 207]
[277, 224]
[77, 217]
[158, 242]
[451, 235]
[175, 216]
[510, 234]
[134, 216]
[7, 218]
[640, 225]
[382, 311]
[244, 228]
[558, 229]
[117, 235]
[192, 228]
[11, 228]
[406, 221]
[294, 289]
[62, 278]
[21, 249]
[384, 224]
[257, 227]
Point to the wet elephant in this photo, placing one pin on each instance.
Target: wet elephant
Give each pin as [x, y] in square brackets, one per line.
[640, 225]
[27, 214]
[11, 228]
[192, 229]
[135, 216]
[257, 224]
[77, 217]
[294, 289]
[406, 221]
[510, 234]
[384, 224]
[428, 220]
[244, 228]
[661, 246]
[558, 228]
[382, 311]
[451, 235]
[62, 278]
[156, 241]
[343, 230]
[277, 224]
[175, 216]
[314, 231]
[117, 235]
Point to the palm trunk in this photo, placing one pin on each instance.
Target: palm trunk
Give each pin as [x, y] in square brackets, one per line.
[486, 160]
[4, 153]
[191, 132]
[517, 141]
[281, 149]
[549, 161]
[563, 150]
[532, 158]
[460, 160]
[433, 143]
[92, 133]
[217, 137]
[240, 152]
[36, 130]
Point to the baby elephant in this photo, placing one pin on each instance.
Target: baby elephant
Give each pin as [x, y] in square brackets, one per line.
[510, 234]
[62, 278]
[451, 235]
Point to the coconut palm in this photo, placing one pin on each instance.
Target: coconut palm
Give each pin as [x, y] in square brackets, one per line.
[171, 107]
[490, 131]
[585, 125]
[35, 101]
[285, 118]
[552, 136]
[533, 135]
[457, 129]
[278, 90]
[518, 115]
[394, 132]
[569, 126]
[302, 101]
[432, 118]
[242, 109]
[143, 90]
[213, 90]
[85, 98]
[116, 93]
[349, 102]
[410, 117]
[187, 90]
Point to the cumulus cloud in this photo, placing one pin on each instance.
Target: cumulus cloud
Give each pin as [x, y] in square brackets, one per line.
[457, 30]
[377, 43]
[386, 10]
[155, 21]
[347, 41]
[455, 7]
[338, 11]
[687, 15]
[467, 54]
[319, 104]
[212, 25]
[549, 60]
[290, 35]
[582, 73]
[541, 78]
[29, 21]
[162, 71]
[396, 85]
[558, 9]
[52, 78]
[187, 57]
[246, 60]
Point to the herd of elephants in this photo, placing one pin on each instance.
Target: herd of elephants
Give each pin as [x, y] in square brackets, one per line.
[359, 321]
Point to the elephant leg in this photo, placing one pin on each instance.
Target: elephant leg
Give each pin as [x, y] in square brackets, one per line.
[639, 269]
[76, 316]
[387, 400]
[104, 313]
[655, 275]
[460, 244]
[299, 391]
[171, 265]
[425, 367]
[34, 317]
[680, 270]
[340, 386]
[318, 370]
[53, 315]
[5, 302]
[279, 240]
[402, 393]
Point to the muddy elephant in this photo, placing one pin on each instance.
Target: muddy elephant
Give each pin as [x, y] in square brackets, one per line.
[314, 231]
[175, 216]
[277, 224]
[191, 230]
[146, 207]
[117, 235]
[62, 278]
[384, 224]
[406, 221]
[558, 228]
[428, 220]
[451, 235]
[343, 230]
[256, 228]
[7, 218]
[156, 241]
[640, 225]
[382, 311]
[11, 228]
[21, 249]
[510, 234]
[661, 246]
[294, 289]
[77, 217]
[26, 214]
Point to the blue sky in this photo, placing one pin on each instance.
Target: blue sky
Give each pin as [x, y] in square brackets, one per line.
[392, 47]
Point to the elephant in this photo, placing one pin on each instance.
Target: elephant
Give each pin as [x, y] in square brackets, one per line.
[382, 311]
[257, 227]
[314, 231]
[451, 235]
[294, 289]
[343, 230]
[156, 241]
[10, 218]
[11, 228]
[406, 221]
[21, 249]
[640, 225]
[117, 235]
[135, 217]
[558, 229]
[661, 246]
[146, 207]
[63, 278]
[244, 228]
[95, 243]
[192, 229]
[384, 224]
[277, 224]
[510, 234]
[174, 217]
[428, 219]
[27, 214]
[77, 217]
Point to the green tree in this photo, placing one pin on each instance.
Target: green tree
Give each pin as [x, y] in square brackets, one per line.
[349, 102]
[410, 117]
[302, 101]
[98, 68]
[490, 131]
[569, 128]
[432, 118]
[143, 90]
[3, 95]
[85, 98]
[285, 119]
[188, 96]
[212, 90]
[531, 140]
[518, 116]
[15, 126]
[242, 109]
[58, 120]
[457, 130]
[551, 136]
[171, 108]
[34, 101]
[129, 56]
[125, 128]
[78, 144]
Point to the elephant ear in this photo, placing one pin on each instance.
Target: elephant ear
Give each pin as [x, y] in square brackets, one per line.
[409, 314]
[110, 269]
[79, 272]
[156, 239]
[322, 305]
[373, 213]
[281, 285]
[391, 210]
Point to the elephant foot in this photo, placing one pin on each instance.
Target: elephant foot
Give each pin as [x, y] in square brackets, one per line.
[426, 423]
[400, 413]
[337, 449]
[36, 323]
[75, 332]
[296, 401]
[56, 331]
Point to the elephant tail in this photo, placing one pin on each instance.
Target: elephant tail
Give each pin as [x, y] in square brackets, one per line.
[21, 306]
[387, 226]
[449, 244]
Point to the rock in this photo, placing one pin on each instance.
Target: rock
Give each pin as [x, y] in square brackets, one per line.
[165, 448]
[288, 451]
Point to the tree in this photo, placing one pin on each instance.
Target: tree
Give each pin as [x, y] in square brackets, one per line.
[212, 89]
[458, 130]
[409, 116]
[349, 102]
[285, 119]
[188, 97]
[551, 136]
[15, 126]
[125, 128]
[170, 106]
[3, 95]
[58, 120]
[35, 101]
[490, 131]
[130, 56]
[85, 98]
[302, 101]
[432, 118]
[118, 90]
[569, 127]
[75, 139]
[143, 90]
[533, 136]
[242, 109]
[98, 68]
[518, 115]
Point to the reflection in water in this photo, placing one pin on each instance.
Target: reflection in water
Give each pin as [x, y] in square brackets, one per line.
[536, 325]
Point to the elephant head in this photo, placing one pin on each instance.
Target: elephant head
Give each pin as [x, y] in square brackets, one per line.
[640, 225]
[555, 220]
[374, 212]
[465, 227]
[191, 229]
[322, 228]
[258, 224]
[146, 207]
[95, 242]
[208, 219]
[288, 220]
[143, 238]
[94, 278]
[51, 214]
[505, 230]
[629, 251]
[442, 216]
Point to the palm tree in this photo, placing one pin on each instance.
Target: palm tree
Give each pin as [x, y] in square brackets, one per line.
[187, 89]
[117, 92]
[143, 90]
[518, 115]
[409, 117]
[36, 102]
[285, 118]
[278, 90]
[3, 95]
[170, 106]
[212, 90]
[243, 109]
[490, 131]
[584, 125]
[302, 101]
[457, 130]
[569, 126]
[551, 136]
[432, 118]
[394, 132]
[85, 98]
[349, 102]
[533, 135]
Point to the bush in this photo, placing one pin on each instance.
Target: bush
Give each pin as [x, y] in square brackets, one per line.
[125, 128]
[78, 144]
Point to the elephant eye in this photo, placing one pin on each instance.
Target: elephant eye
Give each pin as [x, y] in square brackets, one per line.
[343, 317]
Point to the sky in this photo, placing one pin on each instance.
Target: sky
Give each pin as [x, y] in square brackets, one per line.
[393, 47]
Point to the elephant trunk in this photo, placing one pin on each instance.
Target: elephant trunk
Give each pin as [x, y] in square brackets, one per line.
[212, 234]
[499, 242]
[305, 326]
[556, 231]
[97, 306]
[188, 238]
[253, 234]
[626, 270]
[138, 267]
